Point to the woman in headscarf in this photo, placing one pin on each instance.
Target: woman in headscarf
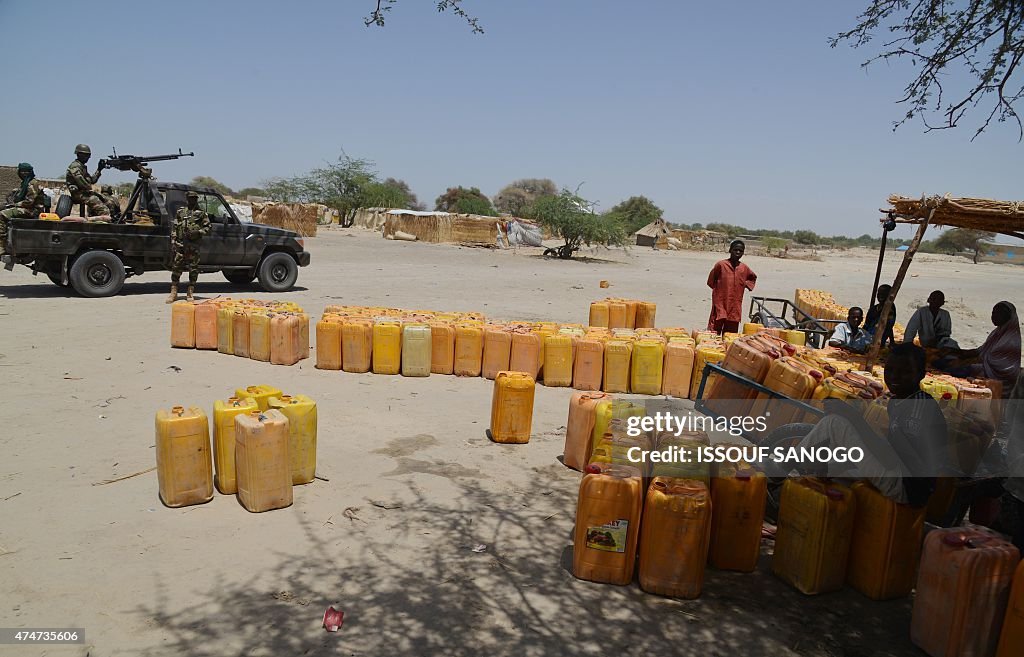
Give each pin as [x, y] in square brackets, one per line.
[999, 356]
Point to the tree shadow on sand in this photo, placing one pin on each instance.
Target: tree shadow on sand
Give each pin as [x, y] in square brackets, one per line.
[516, 596]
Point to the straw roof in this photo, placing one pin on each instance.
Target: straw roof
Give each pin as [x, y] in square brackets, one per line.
[1006, 217]
[656, 228]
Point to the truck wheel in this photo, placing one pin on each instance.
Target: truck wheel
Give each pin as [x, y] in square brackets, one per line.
[97, 274]
[56, 279]
[278, 272]
[239, 276]
[63, 205]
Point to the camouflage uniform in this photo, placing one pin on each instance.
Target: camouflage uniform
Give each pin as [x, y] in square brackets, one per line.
[27, 208]
[190, 226]
[78, 178]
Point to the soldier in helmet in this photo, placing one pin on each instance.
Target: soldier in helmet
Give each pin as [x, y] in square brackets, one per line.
[25, 202]
[80, 184]
[190, 226]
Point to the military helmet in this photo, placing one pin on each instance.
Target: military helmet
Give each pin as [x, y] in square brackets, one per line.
[107, 189]
[191, 194]
[25, 166]
[83, 148]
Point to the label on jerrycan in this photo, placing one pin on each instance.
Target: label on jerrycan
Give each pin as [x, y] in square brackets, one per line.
[610, 537]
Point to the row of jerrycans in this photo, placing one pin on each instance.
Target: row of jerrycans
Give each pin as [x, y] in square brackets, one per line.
[264, 442]
[281, 337]
[668, 530]
[622, 313]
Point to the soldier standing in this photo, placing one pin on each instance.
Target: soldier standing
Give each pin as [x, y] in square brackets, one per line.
[190, 226]
[25, 202]
[80, 184]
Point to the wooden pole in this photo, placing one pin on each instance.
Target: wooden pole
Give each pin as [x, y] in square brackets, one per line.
[883, 319]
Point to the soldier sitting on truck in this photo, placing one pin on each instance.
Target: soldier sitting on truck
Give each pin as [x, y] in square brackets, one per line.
[190, 226]
[25, 202]
[80, 184]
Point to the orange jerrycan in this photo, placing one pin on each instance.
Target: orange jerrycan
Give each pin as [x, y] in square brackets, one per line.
[416, 350]
[328, 344]
[738, 495]
[588, 366]
[790, 377]
[301, 413]
[206, 325]
[645, 312]
[442, 348]
[183, 324]
[224, 413]
[261, 394]
[599, 314]
[750, 357]
[607, 524]
[240, 333]
[812, 542]
[225, 331]
[285, 340]
[686, 463]
[648, 360]
[469, 348]
[579, 429]
[512, 407]
[259, 336]
[963, 587]
[262, 461]
[617, 314]
[1011, 640]
[356, 345]
[526, 354]
[674, 536]
[387, 347]
[886, 545]
[677, 369]
[609, 409]
[631, 306]
[709, 352]
[558, 360]
[496, 353]
[303, 334]
[183, 465]
[617, 355]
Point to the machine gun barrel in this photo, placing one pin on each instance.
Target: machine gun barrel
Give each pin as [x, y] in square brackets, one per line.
[133, 162]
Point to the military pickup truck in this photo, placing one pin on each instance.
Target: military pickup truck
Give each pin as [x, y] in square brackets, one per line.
[95, 258]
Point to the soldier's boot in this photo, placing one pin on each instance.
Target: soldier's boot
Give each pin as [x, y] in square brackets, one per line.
[173, 296]
[189, 296]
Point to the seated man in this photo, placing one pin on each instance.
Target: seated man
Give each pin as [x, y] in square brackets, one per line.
[875, 314]
[915, 451]
[849, 335]
[931, 324]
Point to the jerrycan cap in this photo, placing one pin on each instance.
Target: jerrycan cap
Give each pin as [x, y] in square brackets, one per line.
[834, 493]
[234, 401]
[962, 540]
[286, 399]
[594, 468]
[178, 410]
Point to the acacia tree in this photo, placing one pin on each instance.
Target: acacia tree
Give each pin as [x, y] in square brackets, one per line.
[635, 212]
[341, 185]
[572, 218]
[984, 38]
[376, 17]
[207, 181]
[962, 239]
[467, 201]
[516, 196]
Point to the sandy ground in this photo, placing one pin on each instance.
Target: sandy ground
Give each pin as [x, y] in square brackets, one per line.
[413, 484]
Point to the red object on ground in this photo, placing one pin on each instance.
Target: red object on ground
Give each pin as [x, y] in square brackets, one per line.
[333, 619]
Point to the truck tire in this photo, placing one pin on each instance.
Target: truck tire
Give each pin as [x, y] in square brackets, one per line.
[239, 276]
[277, 272]
[63, 205]
[97, 274]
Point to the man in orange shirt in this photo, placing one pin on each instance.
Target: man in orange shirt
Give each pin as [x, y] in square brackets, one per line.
[727, 280]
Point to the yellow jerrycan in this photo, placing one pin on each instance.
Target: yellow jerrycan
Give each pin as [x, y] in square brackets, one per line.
[647, 366]
[886, 545]
[738, 494]
[387, 347]
[259, 336]
[512, 407]
[558, 360]
[224, 413]
[240, 333]
[183, 465]
[262, 461]
[225, 330]
[599, 314]
[328, 344]
[812, 543]
[301, 413]
[261, 394]
[183, 325]
[469, 347]
[617, 355]
[674, 536]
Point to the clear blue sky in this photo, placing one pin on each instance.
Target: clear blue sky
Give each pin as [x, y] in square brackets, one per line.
[731, 111]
